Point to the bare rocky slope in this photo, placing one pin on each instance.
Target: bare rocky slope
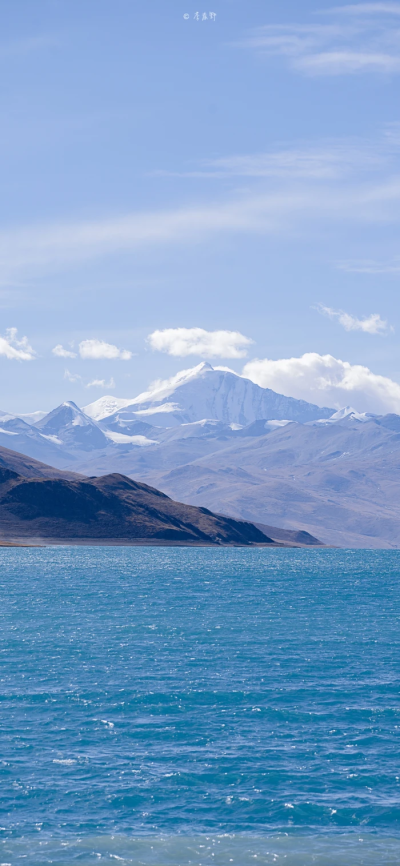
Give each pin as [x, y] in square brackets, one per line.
[109, 508]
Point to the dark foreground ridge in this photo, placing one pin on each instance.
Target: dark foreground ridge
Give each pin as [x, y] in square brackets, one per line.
[112, 508]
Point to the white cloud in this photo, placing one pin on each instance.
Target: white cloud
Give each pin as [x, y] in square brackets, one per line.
[95, 350]
[14, 349]
[101, 383]
[182, 342]
[361, 38]
[60, 352]
[372, 324]
[327, 381]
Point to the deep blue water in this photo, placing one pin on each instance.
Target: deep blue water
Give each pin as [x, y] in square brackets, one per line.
[176, 706]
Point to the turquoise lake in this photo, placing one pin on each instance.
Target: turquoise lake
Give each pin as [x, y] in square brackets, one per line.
[177, 706]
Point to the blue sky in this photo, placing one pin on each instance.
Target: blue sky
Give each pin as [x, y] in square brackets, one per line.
[239, 173]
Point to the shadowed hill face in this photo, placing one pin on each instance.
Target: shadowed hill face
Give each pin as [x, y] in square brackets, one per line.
[6, 475]
[112, 507]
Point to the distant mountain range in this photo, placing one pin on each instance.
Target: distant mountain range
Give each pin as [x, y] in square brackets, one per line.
[210, 438]
[198, 402]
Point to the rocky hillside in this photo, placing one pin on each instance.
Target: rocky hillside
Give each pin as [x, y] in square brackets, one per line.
[109, 508]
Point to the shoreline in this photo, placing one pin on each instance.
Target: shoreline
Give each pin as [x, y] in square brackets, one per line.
[147, 542]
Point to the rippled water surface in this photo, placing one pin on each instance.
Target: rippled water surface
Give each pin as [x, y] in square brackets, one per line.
[176, 706]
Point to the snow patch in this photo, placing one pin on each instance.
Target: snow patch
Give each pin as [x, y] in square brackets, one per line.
[105, 406]
[276, 423]
[123, 439]
[54, 439]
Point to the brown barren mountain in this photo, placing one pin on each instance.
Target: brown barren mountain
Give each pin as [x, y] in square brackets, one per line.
[112, 508]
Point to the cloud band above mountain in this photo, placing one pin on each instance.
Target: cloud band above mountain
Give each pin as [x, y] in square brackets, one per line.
[327, 381]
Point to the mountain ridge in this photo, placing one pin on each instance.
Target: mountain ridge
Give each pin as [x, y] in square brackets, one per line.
[112, 507]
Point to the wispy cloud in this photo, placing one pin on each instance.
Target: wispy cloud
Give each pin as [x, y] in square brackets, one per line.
[52, 247]
[369, 266]
[181, 342]
[327, 381]
[31, 44]
[95, 383]
[72, 377]
[358, 38]
[347, 62]
[49, 245]
[328, 161]
[14, 349]
[364, 9]
[337, 182]
[372, 324]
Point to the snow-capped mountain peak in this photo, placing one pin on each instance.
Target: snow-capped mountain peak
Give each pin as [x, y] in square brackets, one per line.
[158, 391]
[105, 406]
[345, 414]
[161, 389]
[65, 413]
[207, 392]
[71, 426]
